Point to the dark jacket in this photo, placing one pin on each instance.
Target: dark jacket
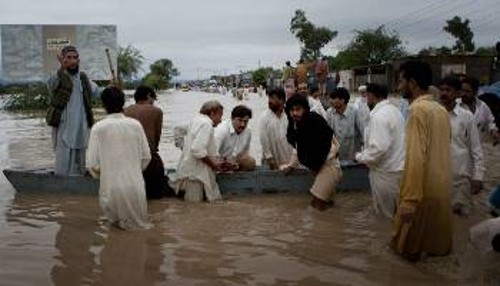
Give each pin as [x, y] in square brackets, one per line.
[59, 98]
[312, 138]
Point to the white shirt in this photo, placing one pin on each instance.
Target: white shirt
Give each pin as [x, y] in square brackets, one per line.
[348, 128]
[118, 152]
[316, 106]
[482, 234]
[273, 140]
[229, 143]
[198, 143]
[384, 139]
[466, 150]
[363, 109]
[483, 117]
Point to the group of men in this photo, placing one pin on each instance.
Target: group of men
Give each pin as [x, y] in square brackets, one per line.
[134, 131]
[421, 169]
[293, 77]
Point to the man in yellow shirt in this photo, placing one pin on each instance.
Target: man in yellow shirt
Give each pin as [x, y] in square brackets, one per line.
[423, 221]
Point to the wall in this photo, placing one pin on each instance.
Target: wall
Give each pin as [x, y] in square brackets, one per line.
[29, 51]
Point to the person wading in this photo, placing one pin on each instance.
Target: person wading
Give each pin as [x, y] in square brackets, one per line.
[423, 221]
[151, 119]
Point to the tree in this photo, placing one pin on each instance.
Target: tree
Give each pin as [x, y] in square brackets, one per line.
[161, 72]
[369, 47]
[462, 32]
[313, 38]
[130, 61]
[259, 76]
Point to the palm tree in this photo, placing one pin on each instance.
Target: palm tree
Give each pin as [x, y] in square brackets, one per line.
[129, 62]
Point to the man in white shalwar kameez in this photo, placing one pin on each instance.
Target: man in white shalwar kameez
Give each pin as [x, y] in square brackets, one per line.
[273, 126]
[117, 154]
[233, 139]
[481, 262]
[199, 160]
[361, 104]
[466, 151]
[384, 150]
[483, 117]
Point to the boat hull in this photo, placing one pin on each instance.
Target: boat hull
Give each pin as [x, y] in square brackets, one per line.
[355, 177]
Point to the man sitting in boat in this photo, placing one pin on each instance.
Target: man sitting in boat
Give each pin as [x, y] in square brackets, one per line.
[151, 119]
[121, 191]
[199, 161]
[233, 139]
[273, 123]
[315, 147]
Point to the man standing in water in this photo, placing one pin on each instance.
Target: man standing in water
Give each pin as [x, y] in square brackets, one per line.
[273, 125]
[466, 151]
[484, 119]
[70, 113]
[199, 160]
[346, 122]
[384, 151]
[118, 152]
[315, 148]
[151, 119]
[423, 221]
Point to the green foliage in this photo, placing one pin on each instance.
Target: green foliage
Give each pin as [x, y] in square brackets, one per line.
[312, 38]
[130, 61]
[161, 72]
[461, 31]
[155, 81]
[25, 97]
[259, 76]
[369, 47]
[33, 96]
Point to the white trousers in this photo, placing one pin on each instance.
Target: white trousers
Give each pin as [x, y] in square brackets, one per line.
[385, 192]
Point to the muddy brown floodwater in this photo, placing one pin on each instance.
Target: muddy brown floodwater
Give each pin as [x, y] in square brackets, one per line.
[249, 240]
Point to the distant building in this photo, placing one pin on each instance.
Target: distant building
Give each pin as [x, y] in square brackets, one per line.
[29, 51]
[480, 67]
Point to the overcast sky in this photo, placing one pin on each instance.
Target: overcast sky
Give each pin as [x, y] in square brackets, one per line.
[207, 37]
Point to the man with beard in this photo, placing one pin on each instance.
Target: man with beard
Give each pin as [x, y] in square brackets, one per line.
[315, 148]
[423, 220]
[466, 152]
[70, 113]
[151, 119]
[384, 151]
[273, 125]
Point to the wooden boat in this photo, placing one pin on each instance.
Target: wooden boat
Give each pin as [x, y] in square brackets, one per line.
[43, 180]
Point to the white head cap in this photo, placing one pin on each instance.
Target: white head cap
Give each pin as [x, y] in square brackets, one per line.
[362, 88]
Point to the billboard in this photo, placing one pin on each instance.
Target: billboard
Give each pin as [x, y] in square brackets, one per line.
[29, 52]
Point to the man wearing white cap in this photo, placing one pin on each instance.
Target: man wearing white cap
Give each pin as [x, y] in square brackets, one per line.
[361, 104]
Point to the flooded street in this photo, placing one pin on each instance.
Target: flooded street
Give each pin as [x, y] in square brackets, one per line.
[253, 240]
